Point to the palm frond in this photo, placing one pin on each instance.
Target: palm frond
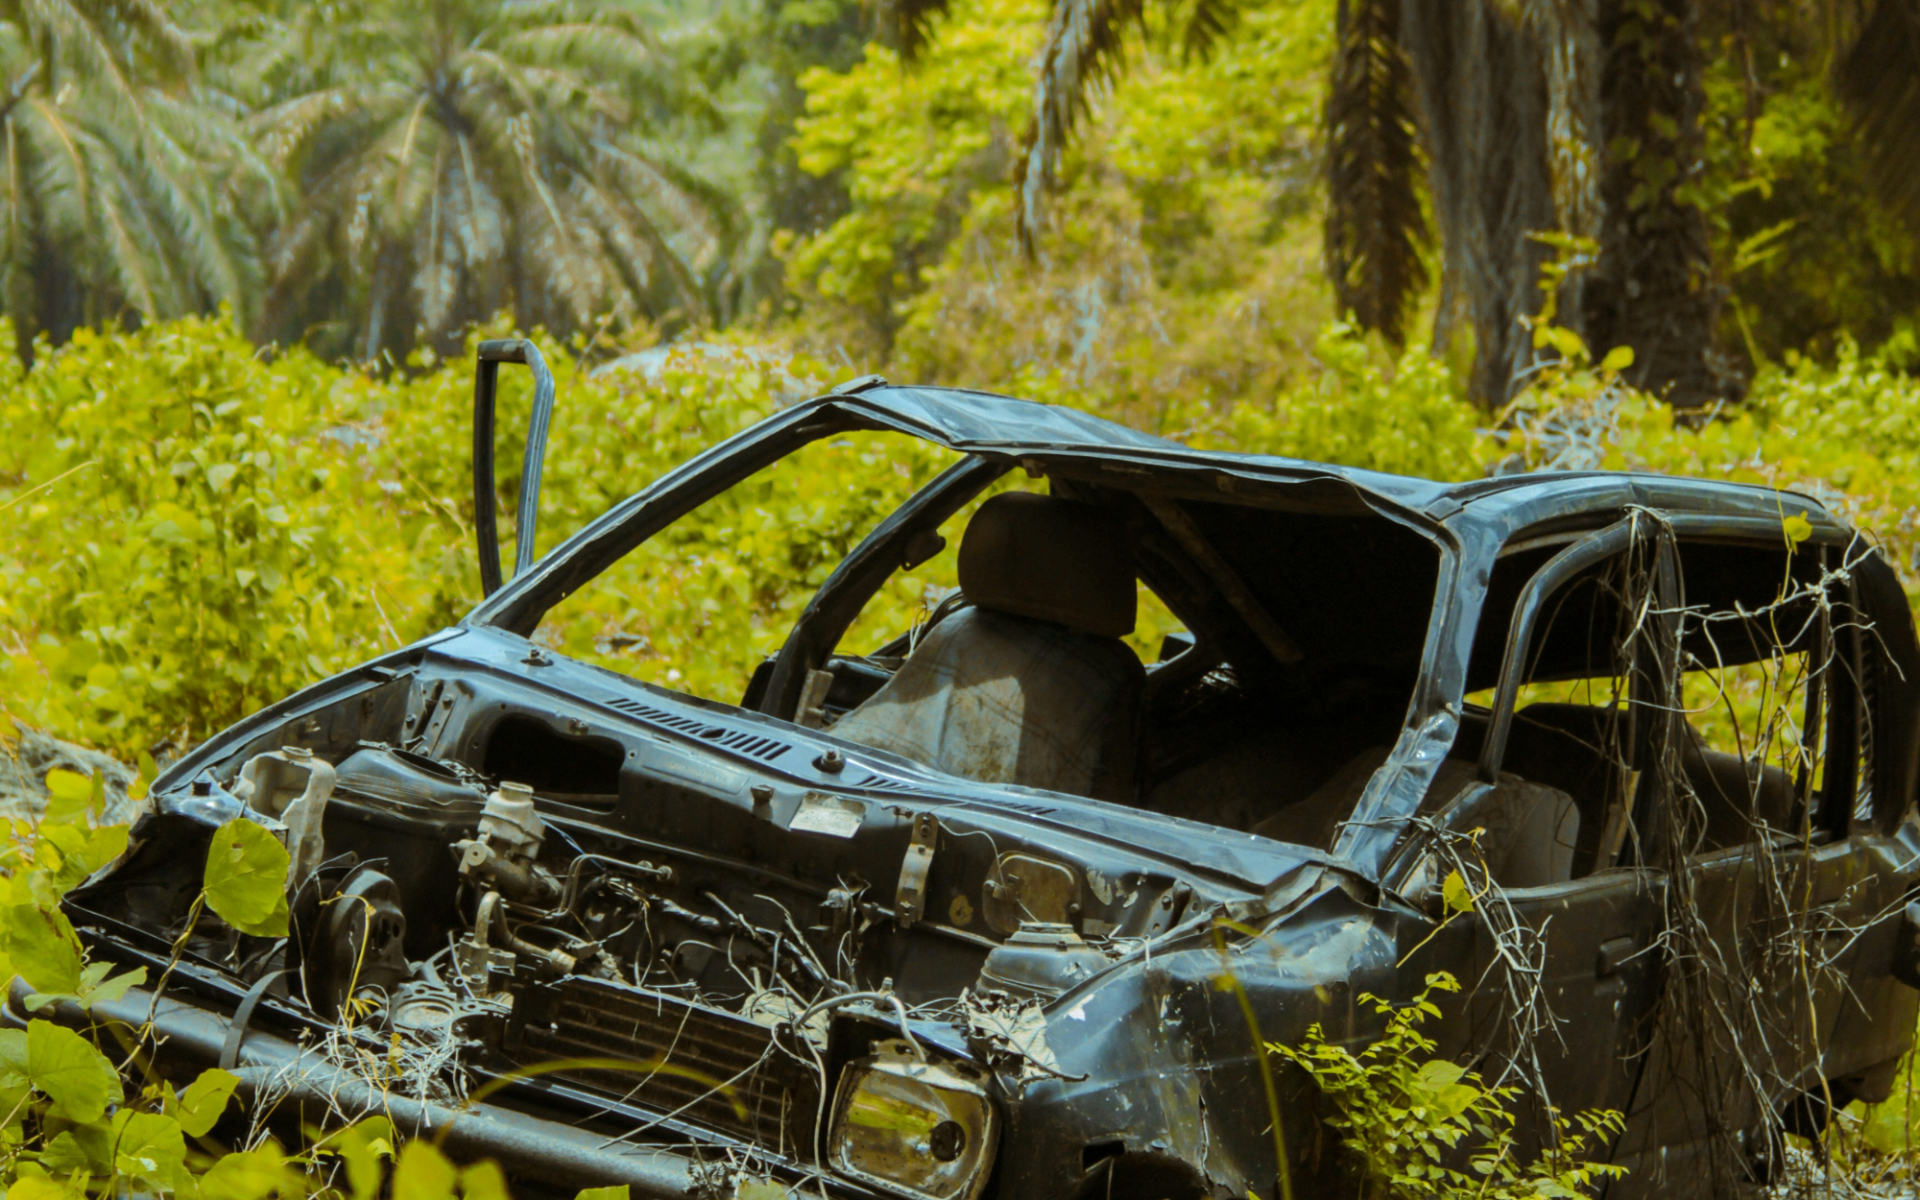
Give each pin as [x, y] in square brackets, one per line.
[1879, 81]
[908, 24]
[1375, 227]
[1205, 24]
[173, 191]
[708, 203]
[465, 156]
[610, 50]
[1085, 46]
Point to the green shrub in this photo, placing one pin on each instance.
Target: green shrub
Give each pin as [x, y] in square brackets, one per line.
[194, 528]
[185, 568]
[1423, 1128]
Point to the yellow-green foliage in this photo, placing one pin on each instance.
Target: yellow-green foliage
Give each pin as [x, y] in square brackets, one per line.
[1406, 1115]
[1405, 418]
[193, 528]
[196, 529]
[185, 566]
[1180, 262]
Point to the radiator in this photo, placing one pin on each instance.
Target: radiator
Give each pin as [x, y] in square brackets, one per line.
[706, 1052]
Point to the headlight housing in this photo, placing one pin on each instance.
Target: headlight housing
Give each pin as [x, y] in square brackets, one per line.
[924, 1128]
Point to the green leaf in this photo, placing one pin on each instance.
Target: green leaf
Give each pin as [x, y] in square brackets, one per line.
[484, 1181]
[246, 879]
[423, 1173]
[249, 1175]
[622, 1192]
[43, 948]
[69, 796]
[148, 1146]
[13, 1057]
[75, 1076]
[1797, 528]
[109, 990]
[68, 785]
[1618, 359]
[1458, 895]
[363, 1145]
[39, 1187]
[1886, 1128]
[64, 1155]
[200, 1106]
[71, 852]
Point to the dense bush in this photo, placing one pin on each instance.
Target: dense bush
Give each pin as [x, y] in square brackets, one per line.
[194, 528]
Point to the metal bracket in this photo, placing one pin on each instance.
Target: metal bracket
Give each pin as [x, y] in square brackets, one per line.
[237, 1028]
[813, 700]
[910, 899]
[485, 384]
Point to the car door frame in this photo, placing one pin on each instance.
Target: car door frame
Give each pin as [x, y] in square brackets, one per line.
[1868, 849]
[1598, 965]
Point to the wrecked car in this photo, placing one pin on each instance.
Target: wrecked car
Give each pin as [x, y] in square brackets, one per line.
[996, 906]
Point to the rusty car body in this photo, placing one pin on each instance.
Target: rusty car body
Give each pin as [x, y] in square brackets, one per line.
[974, 914]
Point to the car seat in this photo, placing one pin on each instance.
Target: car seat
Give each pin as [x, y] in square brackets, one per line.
[1565, 745]
[1029, 683]
[1528, 831]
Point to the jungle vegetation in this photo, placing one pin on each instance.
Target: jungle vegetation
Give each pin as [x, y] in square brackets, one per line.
[246, 247]
[966, 189]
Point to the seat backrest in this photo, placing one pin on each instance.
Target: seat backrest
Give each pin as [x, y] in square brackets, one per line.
[1739, 796]
[1007, 699]
[1566, 745]
[1532, 832]
[1031, 684]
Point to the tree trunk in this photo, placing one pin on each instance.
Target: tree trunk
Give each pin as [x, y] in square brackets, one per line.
[1483, 99]
[1578, 117]
[1654, 287]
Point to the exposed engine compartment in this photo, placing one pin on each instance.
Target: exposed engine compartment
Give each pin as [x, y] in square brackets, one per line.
[638, 931]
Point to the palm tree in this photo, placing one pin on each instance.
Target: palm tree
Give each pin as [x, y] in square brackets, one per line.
[458, 157]
[124, 193]
[1540, 129]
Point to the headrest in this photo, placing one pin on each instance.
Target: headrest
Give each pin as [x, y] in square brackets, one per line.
[1052, 560]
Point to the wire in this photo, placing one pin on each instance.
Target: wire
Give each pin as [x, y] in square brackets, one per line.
[886, 997]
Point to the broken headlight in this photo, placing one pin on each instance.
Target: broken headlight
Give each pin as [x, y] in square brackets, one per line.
[911, 1125]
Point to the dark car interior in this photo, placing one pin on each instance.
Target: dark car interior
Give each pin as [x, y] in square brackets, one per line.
[1303, 633]
[1272, 712]
[1587, 749]
[1304, 610]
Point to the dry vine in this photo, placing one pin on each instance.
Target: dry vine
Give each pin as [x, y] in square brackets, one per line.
[1751, 955]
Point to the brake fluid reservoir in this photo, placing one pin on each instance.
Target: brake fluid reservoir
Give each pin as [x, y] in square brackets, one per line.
[293, 787]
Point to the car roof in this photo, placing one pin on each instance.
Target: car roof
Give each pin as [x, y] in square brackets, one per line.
[986, 423]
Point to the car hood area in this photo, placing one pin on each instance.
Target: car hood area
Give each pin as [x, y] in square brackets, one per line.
[531, 870]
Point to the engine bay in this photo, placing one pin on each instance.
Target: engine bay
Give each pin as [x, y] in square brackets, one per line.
[687, 924]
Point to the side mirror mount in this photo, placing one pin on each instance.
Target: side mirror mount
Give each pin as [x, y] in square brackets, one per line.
[486, 379]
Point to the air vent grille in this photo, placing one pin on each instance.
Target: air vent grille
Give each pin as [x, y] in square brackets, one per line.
[755, 745]
[730, 1077]
[880, 783]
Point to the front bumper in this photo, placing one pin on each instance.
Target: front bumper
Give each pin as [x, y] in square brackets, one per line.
[284, 1082]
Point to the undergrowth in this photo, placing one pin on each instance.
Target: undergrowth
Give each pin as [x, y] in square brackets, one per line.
[1422, 1128]
[190, 528]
